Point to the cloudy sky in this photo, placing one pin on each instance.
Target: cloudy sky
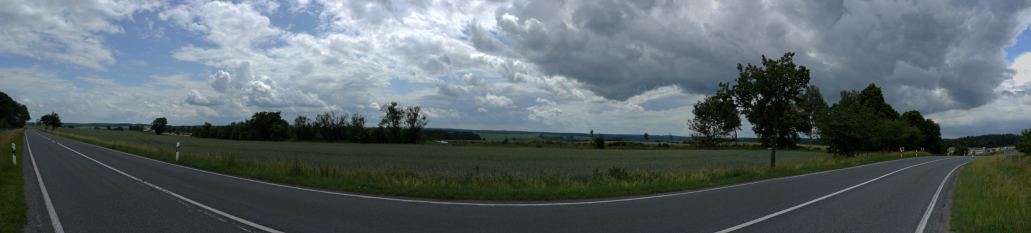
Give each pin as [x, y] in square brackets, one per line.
[558, 66]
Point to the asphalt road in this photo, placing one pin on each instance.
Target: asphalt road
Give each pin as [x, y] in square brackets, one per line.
[94, 189]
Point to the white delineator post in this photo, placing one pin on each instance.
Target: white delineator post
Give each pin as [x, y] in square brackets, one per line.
[901, 150]
[14, 154]
[176, 151]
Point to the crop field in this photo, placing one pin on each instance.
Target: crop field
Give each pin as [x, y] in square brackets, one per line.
[432, 158]
[519, 137]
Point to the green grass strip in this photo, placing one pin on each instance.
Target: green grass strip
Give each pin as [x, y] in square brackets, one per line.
[12, 183]
[993, 194]
[485, 185]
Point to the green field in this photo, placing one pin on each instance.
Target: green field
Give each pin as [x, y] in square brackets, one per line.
[520, 137]
[433, 158]
[445, 171]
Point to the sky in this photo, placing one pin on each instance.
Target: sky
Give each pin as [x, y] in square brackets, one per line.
[612, 66]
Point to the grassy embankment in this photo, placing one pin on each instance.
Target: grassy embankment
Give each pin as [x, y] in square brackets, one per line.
[469, 172]
[12, 194]
[993, 194]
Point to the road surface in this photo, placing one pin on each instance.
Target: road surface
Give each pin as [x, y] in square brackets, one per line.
[94, 189]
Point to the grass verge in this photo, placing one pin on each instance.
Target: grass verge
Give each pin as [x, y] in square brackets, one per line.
[993, 194]
[477, 184]
[12, 183]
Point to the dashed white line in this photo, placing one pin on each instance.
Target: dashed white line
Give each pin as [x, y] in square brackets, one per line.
[46, 196]
[930, 207]
[764, 218]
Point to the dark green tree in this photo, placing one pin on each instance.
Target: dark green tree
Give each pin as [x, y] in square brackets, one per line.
[714, 118]
[159, 125]
[873, 98]
[646, 136]
[414, 121]
[768, 95]
[812, 107]
[961, 147]
[1024, 143]
[392, 117]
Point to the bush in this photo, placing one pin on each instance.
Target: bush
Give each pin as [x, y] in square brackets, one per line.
[599, 141]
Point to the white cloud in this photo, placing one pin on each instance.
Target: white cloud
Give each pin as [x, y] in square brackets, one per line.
[544, 114]
[195, 98]
[436, 113]
[65, 31]
[493, 100]
[546, 101]
[481, 110]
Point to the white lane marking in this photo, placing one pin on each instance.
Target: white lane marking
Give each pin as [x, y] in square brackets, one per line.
[930, 207]
[46, 196]
[487, 204]
[764, 218]
[249, 223]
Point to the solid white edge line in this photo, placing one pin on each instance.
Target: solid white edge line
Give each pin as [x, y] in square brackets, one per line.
[489, 204]
[764, 218]
[46, 197]
[249, 223]
[930, 207]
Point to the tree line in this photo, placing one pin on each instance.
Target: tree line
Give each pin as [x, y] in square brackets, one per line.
[781, 105]
[12, 113]
[399, 124]
[988, 140]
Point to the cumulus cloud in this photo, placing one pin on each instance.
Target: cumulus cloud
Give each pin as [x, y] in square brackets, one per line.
[448, 90]
[68, 32]
[493, 100]
[436, 113]
[545, 101]
[544, 114]
[620, 49]
[195, 98]
[473, 80]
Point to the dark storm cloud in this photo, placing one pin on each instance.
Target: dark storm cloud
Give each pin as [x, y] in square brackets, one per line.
[929, 56]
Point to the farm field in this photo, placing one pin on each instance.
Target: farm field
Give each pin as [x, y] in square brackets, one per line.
[458, 159]
[519, 137]
[446, 171]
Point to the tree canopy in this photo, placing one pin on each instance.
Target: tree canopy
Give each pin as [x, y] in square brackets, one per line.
[12, 113]
[159, 125]
[767, 97]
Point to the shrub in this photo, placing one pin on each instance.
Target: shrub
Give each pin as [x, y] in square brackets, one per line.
[599, 141]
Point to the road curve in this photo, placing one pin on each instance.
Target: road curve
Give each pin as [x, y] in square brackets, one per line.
[94, 189]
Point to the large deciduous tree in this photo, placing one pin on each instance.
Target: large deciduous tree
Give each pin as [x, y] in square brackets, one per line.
[159, 125]
[812, 107]
[714, 118]
[767, 96]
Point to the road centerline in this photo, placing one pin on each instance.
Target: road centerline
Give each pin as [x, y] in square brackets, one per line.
[764, 218]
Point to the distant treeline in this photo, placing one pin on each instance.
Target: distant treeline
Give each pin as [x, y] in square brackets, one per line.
[400, 124]
[989, 140]
[436, 134]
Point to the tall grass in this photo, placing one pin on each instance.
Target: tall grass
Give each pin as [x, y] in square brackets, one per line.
[12, 183]
[481, 184]
[993, 194]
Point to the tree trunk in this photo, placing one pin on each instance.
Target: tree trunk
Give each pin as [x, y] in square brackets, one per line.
[773, 141]
[810, 139]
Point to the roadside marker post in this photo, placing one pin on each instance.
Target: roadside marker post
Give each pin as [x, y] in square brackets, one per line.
[901, 150]
[176, 151]
[14, 154]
